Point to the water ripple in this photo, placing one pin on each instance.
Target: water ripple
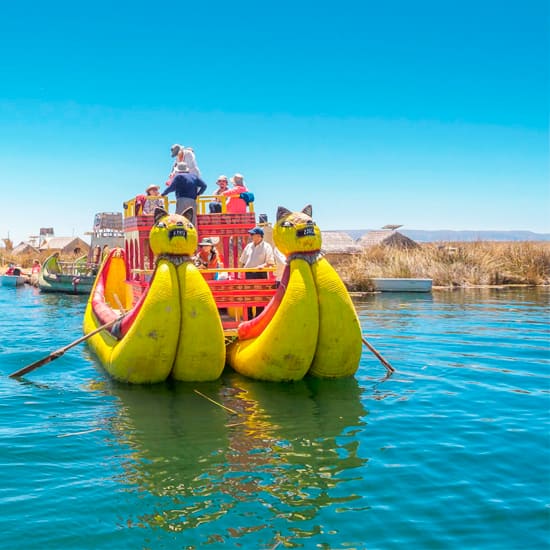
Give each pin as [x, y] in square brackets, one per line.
[449, 452]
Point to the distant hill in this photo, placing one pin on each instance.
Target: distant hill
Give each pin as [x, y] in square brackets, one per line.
[428, 236]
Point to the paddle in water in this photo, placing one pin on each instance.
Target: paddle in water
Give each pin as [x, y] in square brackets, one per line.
[59, 352]
[381, 359]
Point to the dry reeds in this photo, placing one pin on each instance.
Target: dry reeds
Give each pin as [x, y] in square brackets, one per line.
[25, 261]
[451, 264]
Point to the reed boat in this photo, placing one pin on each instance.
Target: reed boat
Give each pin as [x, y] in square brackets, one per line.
[71, 277]
[77, 276]
[13, 280]
[165, 318]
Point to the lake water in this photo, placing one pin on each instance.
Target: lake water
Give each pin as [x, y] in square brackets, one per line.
[452, 451]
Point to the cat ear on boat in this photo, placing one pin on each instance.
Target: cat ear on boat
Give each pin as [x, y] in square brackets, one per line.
[160, 213]
[308, 210]
[282, 212]
[188, 213]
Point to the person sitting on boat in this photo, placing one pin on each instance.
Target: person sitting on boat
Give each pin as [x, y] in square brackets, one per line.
[151, 202]
[236, 205]
[10, 270]
[187, 187]
[216, 206]
[184, 154]
[208, 257]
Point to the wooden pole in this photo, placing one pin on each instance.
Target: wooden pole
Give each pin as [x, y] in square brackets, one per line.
[382, 360]
[58, 353]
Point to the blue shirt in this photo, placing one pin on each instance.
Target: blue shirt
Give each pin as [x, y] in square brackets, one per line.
[186, 185]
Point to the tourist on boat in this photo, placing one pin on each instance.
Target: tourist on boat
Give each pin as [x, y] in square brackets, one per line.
[10, 270]
[216, 206]
[35, 272]
[151, 202]
[208, 257]
[236, 205]
[187, 155]
[257, 254]
[96, 255]
[187, 187]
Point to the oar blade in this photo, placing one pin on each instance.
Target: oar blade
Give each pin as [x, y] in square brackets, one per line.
[36, 364]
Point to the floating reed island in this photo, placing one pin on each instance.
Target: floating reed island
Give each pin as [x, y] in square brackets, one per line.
[449, 265]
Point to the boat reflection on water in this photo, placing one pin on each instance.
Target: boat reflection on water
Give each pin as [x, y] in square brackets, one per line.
[176, 434]
[289, 450]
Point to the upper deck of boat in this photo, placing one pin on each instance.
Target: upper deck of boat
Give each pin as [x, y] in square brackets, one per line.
[233, 292]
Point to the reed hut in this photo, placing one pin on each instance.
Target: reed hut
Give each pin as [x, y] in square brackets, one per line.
[387, 236]
[66, 246]
[24, 249]
[338, 245]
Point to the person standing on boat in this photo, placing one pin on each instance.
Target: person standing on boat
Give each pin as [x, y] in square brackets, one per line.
[235, 204]
[257, 254]
[187, 155]
[187, 187]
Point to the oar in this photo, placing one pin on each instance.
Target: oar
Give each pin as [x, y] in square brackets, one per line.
[58, 353]
[382, 360]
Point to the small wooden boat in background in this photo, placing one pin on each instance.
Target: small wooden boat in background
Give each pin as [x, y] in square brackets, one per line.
[13, 280]
[389, 284]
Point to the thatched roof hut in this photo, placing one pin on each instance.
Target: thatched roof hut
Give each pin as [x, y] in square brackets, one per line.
[386, 237]
[338, 242]
[338, 245]
[24, 248]
[66, 245]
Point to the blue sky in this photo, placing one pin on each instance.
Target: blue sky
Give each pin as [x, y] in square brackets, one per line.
[431, 114]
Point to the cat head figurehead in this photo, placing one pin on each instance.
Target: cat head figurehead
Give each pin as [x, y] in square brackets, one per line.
[296, 231]
[173, 234]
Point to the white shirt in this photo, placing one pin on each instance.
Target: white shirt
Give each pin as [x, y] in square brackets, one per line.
[260, 255]
[190, 160]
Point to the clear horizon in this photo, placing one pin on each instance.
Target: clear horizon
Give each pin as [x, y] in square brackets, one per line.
[431, 115]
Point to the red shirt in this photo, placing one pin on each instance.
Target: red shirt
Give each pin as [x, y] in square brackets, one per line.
[235, 205]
